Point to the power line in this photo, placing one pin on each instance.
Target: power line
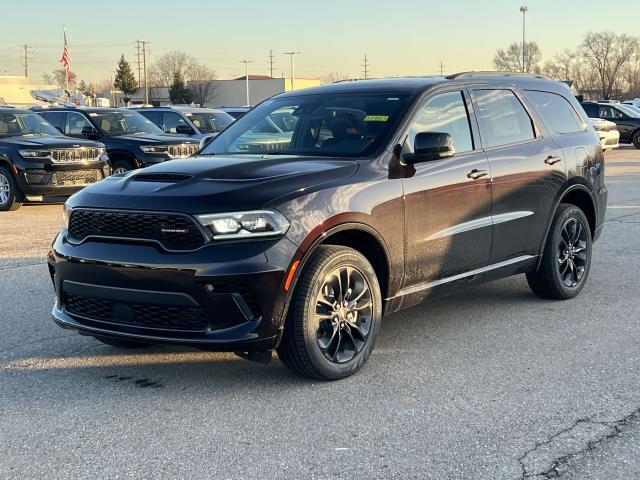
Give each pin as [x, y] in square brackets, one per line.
[271, 63]
[26, 56]
[366, 65]
[139, 53]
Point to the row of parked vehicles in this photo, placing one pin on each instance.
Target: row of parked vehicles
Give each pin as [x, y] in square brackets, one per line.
[49, 153]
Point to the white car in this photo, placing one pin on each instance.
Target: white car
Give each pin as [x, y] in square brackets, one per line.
[608, 133]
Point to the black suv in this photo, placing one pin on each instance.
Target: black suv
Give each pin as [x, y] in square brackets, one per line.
[196, 122]
[626, 117]
[388, 192]
[39, 164]
[132, 141]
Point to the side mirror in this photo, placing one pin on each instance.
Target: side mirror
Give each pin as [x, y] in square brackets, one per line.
[89, 132]
[184, 130]
[430, 146]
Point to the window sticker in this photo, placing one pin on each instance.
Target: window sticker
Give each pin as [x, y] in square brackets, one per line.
[376, 118]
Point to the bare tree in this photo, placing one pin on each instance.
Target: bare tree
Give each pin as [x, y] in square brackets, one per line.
[631, 74]
[607, 53]
[510, 60]
[201, 83]
[334, 77]
[163, 70]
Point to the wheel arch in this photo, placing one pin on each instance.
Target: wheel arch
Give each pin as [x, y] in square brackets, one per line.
[360, 237]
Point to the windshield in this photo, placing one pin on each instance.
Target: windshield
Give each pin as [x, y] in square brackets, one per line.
[210, 122]
[629, 110]
[113, 123]
[14, 124]
[337, 125]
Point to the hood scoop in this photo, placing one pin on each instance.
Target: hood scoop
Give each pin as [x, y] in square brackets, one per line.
[161, 177]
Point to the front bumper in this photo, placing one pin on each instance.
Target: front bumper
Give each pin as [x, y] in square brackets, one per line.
[610, 139]
[47, 179]
[223, 297]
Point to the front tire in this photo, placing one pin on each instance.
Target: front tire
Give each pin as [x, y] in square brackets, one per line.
[334, 317]
[566, 259]
[121, 166]
[10, 196]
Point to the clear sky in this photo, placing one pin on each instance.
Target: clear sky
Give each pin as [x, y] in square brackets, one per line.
[400, 37]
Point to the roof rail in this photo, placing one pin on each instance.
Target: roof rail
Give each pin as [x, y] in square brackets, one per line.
[494, 74]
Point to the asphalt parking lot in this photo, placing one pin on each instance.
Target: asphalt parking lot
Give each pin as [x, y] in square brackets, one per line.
[490, 384]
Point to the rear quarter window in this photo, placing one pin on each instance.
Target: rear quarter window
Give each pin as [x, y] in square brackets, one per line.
[556, 111]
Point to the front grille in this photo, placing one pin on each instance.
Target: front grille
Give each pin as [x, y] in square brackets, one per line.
[192, 319]
[183, 150]
[173, 231]
[80, 154]
[63, 178]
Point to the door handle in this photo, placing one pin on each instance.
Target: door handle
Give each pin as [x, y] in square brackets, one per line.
[477, 174]
[551, 160]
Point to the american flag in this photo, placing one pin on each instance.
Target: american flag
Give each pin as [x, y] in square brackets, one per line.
[64, 59]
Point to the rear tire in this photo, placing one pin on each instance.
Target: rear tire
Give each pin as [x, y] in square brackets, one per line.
[10, 196]
[636, 139]
[123, 344]
[334, 317]
[566, 259]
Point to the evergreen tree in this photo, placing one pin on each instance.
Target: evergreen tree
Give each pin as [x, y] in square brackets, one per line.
[179, 93]
[125, 80]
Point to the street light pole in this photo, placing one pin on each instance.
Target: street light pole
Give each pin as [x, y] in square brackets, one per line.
[293, 71]
[524, 10]
[246, 78]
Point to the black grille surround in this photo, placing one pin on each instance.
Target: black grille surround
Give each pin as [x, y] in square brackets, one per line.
[175, 232]
[157, 317]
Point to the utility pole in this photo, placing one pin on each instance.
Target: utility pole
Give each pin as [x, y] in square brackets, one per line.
[293, 67]
[138, 52]
[246, 77]
[441, 69]
[271, 62]
[144, 68]
[25, 58]
[524, 9]
[365, 65]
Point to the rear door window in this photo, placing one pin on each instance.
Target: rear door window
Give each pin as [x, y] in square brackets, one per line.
[502, 118]
[556, 111]
[155, 117]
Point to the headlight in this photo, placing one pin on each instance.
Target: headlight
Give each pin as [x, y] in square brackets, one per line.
[66, 215]
[154, 149]
[35, 153]
[257, 224]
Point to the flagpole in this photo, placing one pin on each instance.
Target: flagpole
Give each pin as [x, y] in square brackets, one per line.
[66, 76]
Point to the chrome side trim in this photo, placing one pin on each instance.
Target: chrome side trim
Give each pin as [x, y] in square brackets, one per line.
[426, 286]
[478, 223]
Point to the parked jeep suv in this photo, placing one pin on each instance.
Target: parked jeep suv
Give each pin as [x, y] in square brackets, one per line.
[626, 117]
[389, 192]
[186, 120]
[39, 164]
[132, 141]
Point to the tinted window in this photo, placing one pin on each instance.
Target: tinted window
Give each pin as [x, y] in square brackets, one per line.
[556, 111]
[591, 109]
[444, 113]
[54, 118]
[172, 120]
[74, 124]
[155, 117]
[610, 112]
[503, 120]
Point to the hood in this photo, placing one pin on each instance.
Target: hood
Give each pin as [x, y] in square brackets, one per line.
[149, 139]
[213, 184]
[46, 141]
